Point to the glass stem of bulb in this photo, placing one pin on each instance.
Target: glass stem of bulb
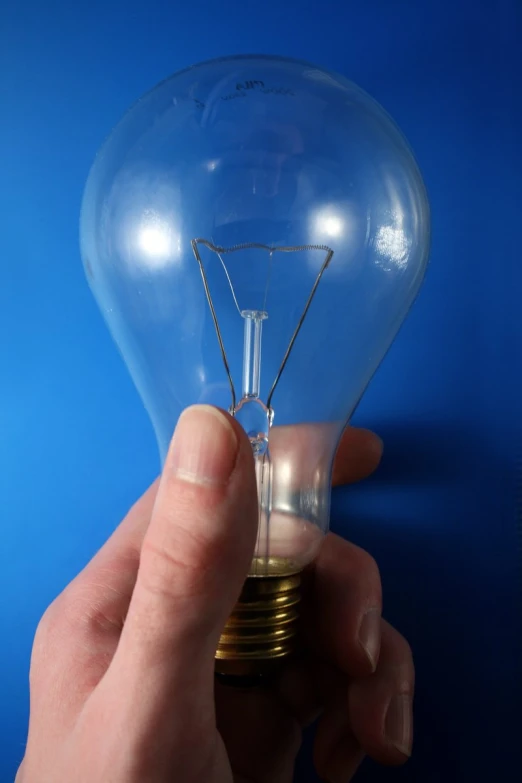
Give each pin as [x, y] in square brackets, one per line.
[252, 352]
[251, 390]
[263, 479]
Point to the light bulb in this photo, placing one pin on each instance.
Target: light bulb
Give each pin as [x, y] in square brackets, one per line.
[255, 230]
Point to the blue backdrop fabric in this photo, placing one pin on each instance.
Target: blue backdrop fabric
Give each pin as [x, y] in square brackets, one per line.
[76, 447]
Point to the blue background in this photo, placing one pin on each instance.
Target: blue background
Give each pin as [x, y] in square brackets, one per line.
[76, 446]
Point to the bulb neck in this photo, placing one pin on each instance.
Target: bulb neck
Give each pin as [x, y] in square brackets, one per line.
[261, 632]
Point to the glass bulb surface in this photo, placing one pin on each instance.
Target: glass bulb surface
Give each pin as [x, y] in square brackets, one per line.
[255, 230]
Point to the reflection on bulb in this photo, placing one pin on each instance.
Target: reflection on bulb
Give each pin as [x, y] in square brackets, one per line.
[329, 222]
[264, 195]
[392, 244]
[155, 242]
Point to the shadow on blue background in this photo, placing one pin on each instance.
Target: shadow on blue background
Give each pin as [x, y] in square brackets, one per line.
[76, 447]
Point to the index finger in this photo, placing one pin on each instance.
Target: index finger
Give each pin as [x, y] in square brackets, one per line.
[358, 455]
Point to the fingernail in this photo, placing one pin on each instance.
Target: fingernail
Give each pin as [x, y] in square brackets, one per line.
[204, 446]
[370, 635]
[398, 724]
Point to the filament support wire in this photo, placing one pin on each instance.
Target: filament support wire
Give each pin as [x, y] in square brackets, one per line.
[220, 251]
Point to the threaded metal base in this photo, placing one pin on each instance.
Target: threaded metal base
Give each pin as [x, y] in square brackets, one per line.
[261, 630]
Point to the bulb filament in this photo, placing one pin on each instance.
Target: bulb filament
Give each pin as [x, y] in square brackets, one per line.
[254, 321]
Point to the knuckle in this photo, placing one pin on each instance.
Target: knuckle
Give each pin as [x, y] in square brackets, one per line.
[87, 614]
[403, 649]
[407, 656]
[46, 643]
[168, 571]
[370, 570]
[191, 498]
[81, 612]
[50, 625]
[74, 607]
[398, 656]
[47, 621]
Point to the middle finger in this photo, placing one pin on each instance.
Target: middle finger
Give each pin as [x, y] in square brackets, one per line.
[342, 606]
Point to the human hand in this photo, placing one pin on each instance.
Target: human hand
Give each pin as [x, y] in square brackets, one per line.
[122, 673]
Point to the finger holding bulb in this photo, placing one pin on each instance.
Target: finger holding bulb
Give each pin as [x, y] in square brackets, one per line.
[88, 688]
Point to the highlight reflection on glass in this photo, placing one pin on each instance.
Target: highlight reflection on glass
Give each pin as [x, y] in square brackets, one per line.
[155, 241]
[330, 222]
[255, 231]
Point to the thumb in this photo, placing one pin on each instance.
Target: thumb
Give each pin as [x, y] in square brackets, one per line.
[194, 558]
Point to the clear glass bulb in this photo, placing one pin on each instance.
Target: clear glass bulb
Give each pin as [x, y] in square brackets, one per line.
[255, 230]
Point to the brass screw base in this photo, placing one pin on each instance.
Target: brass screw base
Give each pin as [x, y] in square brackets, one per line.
[261, 630]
